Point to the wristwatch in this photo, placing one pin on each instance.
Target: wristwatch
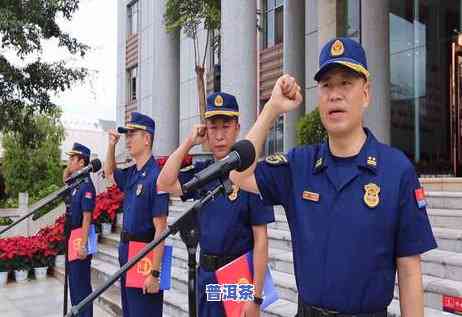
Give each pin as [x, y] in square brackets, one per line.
[155, 273]
[258, 300]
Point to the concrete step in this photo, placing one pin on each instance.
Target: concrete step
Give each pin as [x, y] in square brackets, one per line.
[448, 184]
[443, 200]
[448, 239]
[446, 218]
[394, 311]
[434, 289]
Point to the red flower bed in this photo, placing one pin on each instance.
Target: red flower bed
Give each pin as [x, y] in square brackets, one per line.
[107, 205]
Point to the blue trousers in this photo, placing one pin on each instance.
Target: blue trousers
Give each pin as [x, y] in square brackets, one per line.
[134, 302]
[80, 284]
[207, 308]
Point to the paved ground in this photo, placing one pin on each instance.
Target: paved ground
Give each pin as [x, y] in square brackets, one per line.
[35, 298]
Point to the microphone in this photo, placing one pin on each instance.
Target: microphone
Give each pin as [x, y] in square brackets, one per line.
[240, 158]
[93, 167]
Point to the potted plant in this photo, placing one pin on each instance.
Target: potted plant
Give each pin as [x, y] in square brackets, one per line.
[42, 256]
[54, 235]
[6, 250]
[107, 204]
[21, 259]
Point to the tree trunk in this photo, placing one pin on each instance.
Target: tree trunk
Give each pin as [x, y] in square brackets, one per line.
[201, 91]
[201, 94]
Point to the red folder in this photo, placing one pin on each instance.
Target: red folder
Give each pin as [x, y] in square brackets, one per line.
[75, 242]
[235, 272]
[138, 273]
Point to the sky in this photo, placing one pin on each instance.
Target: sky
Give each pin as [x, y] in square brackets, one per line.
[94, 24]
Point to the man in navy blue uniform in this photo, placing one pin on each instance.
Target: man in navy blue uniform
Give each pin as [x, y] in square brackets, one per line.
[81, 208]
[223, 236]
[355, 207]
[145, 211]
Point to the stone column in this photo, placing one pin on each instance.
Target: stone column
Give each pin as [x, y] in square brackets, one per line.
[375, 40]
[293, 61]
[165, 82]
[239, 57]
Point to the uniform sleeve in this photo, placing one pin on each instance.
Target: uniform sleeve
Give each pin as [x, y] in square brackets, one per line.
[415, 234]
[259, 213]
[88, 198]
[160, 203]
[274, 181]
[120, 177]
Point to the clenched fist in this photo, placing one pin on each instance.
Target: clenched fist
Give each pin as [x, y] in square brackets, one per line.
[114, 137]
[286, 95]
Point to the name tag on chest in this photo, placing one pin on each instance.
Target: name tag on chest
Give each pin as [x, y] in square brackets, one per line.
[310, 196]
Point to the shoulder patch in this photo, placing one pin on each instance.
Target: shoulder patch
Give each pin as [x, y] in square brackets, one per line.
[187, 168]
[276, 159]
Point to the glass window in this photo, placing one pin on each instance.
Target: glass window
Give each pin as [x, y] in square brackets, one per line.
[421, 37]
[349, 17]
[131, 84]
[132, 18]
[273, 22]
[275, 139]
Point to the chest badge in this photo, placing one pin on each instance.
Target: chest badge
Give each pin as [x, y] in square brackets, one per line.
[139, 189]
[371, 195]
[233, 195]
[310, 196]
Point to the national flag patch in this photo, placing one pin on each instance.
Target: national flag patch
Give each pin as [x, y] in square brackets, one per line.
[89, 195]
[420, 198]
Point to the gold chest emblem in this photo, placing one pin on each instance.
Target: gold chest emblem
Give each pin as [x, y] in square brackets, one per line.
[371, 195]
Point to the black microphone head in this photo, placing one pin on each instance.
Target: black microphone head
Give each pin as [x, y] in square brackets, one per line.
[246, 152]
[95, 165]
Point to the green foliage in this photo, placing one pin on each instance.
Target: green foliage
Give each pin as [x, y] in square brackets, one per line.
[310, 129]
[34, 168]
[26, 89]
[5, 221]
[189, 14]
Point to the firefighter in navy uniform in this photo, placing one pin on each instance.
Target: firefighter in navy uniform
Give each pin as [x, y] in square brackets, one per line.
[224, 236]
[82, 203]
[145, 211]
[355, 207]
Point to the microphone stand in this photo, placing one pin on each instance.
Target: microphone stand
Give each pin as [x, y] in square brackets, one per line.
[182, 222]
[189, 233]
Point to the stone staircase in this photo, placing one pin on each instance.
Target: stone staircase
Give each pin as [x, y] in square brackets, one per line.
[442, 268]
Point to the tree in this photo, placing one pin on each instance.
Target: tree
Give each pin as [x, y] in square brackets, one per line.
[310, 129]
[25, 90]
[189, 16]
[34, 168]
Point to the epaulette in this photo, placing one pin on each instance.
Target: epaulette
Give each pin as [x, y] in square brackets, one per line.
[187, 168]
[277, 159]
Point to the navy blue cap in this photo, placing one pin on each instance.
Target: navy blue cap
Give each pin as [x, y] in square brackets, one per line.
[342, 51]
[79, 149]
[138, 121]
[221, 103]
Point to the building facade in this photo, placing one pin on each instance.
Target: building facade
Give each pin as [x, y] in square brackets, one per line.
[414, 54]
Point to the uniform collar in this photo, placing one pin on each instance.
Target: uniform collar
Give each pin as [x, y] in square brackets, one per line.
[148, 165]
[367, 157]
